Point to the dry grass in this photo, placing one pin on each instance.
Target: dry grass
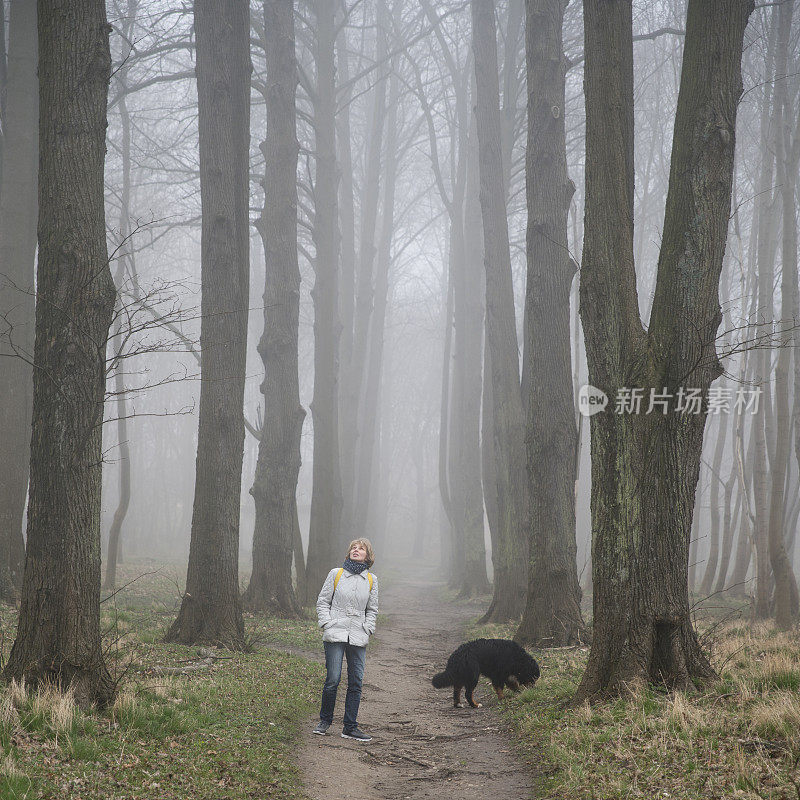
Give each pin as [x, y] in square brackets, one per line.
[738, 737]
[18, 693]
[55, 707]
[9, 768]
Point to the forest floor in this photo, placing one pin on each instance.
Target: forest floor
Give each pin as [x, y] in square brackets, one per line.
[193, 724]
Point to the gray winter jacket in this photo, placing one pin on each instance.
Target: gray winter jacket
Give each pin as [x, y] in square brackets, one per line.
[349, 613]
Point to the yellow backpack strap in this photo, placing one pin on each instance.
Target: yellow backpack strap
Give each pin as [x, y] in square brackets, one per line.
[339, 575]
[369, 575]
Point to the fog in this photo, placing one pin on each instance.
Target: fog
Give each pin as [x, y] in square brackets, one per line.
[417, 55]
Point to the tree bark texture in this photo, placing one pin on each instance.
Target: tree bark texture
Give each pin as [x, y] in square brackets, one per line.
[275, 484]
[326, 496]
[508, 417]
[645, 466]
[18, 213]
[58, 634]
[552, 615]
[211, 610]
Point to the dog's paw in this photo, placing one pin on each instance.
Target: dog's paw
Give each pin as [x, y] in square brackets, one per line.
[478, 705]
[459, 705]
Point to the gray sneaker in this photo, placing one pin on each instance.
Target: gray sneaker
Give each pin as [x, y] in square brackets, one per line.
[356, 734]
[322, 728]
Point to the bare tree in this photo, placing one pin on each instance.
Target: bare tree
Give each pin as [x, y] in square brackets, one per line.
[326, 499]
[552, 614]
[642, 505]
[510, 582]
[58, 634]
[275, 483]
[211, 608]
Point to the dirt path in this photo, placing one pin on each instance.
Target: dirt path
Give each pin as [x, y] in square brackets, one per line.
[422, 746]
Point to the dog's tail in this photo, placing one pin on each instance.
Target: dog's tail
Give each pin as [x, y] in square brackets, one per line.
[442, 679]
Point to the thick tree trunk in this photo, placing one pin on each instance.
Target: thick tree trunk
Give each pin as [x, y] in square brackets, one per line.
[326, 496]
[510, 580]
[275, 484]
[58, 635]
[211, 609]
[18, 213]
[645, 466]
[552, 615]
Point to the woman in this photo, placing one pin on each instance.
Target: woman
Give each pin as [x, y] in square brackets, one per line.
[347, 608]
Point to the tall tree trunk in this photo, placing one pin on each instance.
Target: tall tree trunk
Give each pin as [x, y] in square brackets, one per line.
[475, 579]
[729, 518]
[786, 601]
[766, 221]
[508, 119]
[510, 580]
[368, 468]
[18, 213]
[714, 493]
[552, 615]
[58, 635]
[745, 546]
[645, 466]
[275, 483]
[354, 417]
[446, 519]
[211, 609]
[124, 260]
[326, 495]
[346, 283]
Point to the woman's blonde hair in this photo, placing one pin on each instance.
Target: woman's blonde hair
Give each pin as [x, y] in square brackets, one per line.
[367, 545]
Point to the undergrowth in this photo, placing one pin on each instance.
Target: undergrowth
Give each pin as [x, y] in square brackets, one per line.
[737, 738]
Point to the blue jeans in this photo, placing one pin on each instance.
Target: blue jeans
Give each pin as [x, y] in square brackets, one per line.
[356, 656]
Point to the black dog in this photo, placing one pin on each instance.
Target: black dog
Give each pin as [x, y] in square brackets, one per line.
[502, 661]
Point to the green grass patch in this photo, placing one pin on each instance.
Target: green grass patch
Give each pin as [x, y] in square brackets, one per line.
[227, 732]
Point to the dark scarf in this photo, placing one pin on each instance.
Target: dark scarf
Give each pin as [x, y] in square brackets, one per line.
[356, 567]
